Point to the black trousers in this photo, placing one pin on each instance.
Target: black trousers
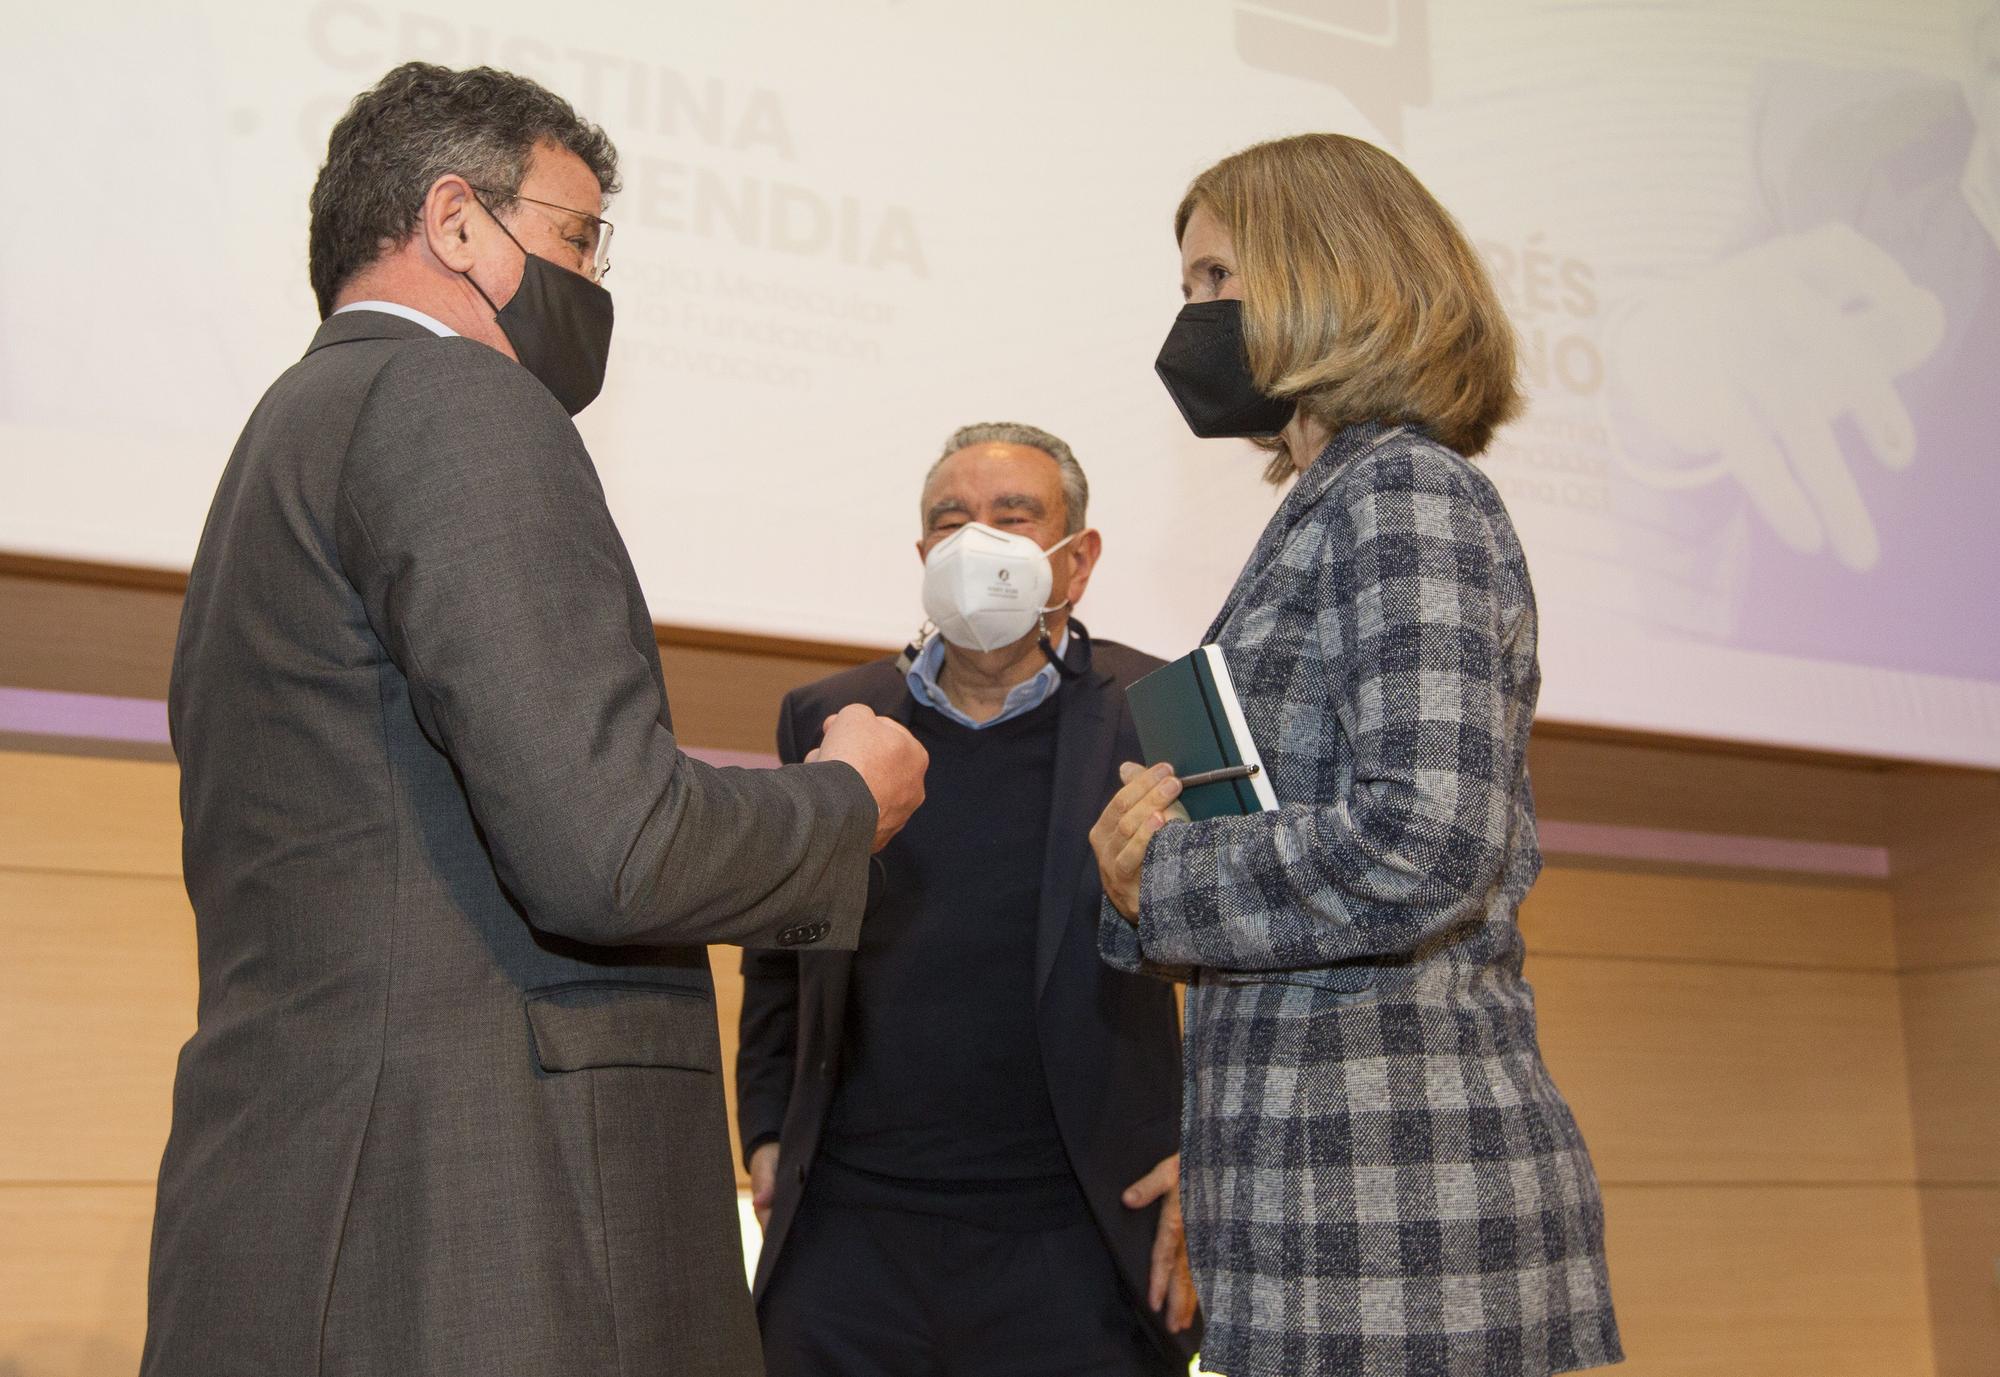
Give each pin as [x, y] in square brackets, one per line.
[866, 1291]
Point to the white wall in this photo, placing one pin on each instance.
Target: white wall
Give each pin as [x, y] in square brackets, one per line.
[849, 227]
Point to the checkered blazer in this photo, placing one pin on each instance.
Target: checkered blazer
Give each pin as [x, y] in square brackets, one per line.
[1378, 1175]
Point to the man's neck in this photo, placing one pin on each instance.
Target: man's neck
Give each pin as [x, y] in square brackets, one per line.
[447, 298]
[978, 681]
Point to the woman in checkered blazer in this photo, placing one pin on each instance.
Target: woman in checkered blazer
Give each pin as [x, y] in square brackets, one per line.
[1378, 1175]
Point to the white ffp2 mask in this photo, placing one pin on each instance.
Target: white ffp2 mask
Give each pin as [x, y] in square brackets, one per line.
[984, 589]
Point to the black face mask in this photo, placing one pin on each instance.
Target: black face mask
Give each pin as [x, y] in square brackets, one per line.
[559, 323]
[1206, 368]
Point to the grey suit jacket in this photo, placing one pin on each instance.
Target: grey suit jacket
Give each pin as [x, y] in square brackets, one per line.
[453, 1103]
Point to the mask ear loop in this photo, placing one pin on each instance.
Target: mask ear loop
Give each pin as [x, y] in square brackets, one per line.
[1042, 621]
[1063, 668]
[510, 236]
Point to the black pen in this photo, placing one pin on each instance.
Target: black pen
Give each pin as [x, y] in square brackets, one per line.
[1228, 772]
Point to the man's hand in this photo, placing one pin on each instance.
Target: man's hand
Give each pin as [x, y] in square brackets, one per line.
[888, 758]
[1757, 359]
[763, 1181]
[1125, 827]
[1171, 1291]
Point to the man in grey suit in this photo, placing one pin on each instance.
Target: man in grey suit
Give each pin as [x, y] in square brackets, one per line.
[453, 1104]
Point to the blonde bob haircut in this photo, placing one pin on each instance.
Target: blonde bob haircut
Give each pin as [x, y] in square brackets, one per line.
[1362, 298]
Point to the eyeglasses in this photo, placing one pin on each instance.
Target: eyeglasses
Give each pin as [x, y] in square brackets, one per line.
[595, 246]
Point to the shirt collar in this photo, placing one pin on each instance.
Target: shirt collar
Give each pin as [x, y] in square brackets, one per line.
[397, 308]
[1023, 698]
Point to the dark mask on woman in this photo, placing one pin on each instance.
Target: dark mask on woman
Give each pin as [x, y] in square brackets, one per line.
[1206, 367]
[559, 323]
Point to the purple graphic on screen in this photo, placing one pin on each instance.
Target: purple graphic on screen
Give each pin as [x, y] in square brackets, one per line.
[1812, 424]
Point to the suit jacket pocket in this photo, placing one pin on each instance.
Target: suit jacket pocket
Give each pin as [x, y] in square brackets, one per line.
[607, 1023]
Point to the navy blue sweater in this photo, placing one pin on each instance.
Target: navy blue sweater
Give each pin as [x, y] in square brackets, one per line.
[941, 1076]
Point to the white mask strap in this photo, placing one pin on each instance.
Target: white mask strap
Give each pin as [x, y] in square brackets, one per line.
[1057, 607]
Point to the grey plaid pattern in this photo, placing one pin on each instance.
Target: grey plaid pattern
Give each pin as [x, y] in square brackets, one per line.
[1378, 1175]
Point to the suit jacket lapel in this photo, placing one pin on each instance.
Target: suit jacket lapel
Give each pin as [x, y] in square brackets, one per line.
[1085, 743]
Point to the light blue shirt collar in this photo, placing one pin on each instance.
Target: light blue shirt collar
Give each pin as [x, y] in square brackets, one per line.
[397, 308]
[1024, 697]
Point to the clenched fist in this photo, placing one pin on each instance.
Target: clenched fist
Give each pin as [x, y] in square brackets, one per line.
[888, 759]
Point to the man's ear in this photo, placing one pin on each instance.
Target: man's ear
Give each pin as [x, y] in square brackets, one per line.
[1084, 552]
[450, 210]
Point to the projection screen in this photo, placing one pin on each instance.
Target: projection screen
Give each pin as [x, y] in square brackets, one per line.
[1752, 250]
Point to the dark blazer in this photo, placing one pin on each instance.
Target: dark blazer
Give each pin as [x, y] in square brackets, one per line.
[1110, 1041]
[453, 1104]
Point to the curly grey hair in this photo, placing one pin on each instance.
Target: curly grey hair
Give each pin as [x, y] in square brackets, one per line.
[1075, 487]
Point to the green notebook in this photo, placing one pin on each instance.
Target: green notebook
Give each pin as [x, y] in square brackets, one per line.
[1187, 712]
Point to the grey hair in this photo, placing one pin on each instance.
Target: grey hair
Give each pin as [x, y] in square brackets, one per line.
[415, 125]
[1075, 487]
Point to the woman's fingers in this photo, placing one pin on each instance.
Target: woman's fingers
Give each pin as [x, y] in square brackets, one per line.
[1135, 779]
[1138, 785]
[1116, 821]
[1126, 825]
[1150, 802]
[1132, 855]
[1184, 1301]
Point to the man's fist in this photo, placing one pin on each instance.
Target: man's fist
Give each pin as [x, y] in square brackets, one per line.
[888, 759]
